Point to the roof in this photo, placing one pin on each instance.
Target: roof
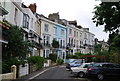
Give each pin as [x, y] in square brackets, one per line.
[3, 11]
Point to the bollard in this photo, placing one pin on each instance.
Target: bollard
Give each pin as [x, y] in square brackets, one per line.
[14, 69]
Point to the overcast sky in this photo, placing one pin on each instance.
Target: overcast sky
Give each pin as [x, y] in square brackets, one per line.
[80, 10]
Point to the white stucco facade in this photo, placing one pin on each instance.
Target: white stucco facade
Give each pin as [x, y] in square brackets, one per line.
[16, 17]
[88, 41]
[77, 38]
[47, 35]
[33, 30]
[15, 12]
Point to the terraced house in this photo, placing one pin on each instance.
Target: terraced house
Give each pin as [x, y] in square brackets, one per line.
[41, 31]
[3, 39]
[79, 39]
[50, 31]
[24, 17]
[88, 41]
[3, 12]
[31, 26]
[73, 37]
[61, 37]
[60, 31]
[47, 35]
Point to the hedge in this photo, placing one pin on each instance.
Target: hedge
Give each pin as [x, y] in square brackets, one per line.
[37, 60]
[60, 61]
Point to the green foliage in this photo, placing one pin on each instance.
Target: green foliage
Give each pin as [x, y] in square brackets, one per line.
[55, 44]
[37, 60]
[115, 45]
[76, 56]
[16, 50]
[53, 57]
[97, 49]
[115, 48]
[107, 13]
[89, 59]
[16, 47]
[6, 64]
[60, 61]
[6, 23]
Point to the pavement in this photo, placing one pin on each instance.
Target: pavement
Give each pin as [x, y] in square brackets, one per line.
[34, 74]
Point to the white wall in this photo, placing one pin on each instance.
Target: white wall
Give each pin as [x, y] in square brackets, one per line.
[23, 70]
[76, 38]
[50, 33]
[10, 7]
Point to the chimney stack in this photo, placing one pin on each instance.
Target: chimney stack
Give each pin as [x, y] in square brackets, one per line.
[33, 7]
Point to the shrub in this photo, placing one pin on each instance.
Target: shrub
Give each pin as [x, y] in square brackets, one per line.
[6, 64]
[60, 61]
[53, 57]
[55, 44]
[37, 60]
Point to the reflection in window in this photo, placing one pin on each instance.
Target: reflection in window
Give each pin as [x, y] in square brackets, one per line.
[25, 21]
[62, 32]
[46, 27]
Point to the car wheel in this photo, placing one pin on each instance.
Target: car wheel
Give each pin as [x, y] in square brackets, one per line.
[100, 76]
[81, 75]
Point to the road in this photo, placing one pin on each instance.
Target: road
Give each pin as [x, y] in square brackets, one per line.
[59, 73]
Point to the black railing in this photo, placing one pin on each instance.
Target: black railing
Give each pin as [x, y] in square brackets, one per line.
[46, 44]
[63, 47]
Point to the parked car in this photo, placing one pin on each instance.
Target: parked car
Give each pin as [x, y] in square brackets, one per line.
[74, 63]
[81, 70]
[68, 62]
[103, 70]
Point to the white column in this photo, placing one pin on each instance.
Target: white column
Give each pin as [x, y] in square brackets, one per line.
[14, 69]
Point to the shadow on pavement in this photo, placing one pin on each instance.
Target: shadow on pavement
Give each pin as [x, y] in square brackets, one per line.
[107, 79]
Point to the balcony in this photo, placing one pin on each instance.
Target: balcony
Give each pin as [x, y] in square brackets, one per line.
[68, 44]
[82, 46]
[46, 45]
[63, 47]
[36, 44]
[85, 45]
[90, 46]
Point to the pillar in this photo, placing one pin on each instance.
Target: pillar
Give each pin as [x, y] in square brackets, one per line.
[14, 70]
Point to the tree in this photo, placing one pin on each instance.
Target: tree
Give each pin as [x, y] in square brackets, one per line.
[114, 41]
[116, 44]
[108, 14]
[15, 52]
[55, 44]
[97, 49]
[16, 47]
[115, 48]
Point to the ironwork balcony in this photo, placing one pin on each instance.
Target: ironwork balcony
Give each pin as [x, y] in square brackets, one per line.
[68, 44]
[85, 45]
[63, 47]
[46, 45]
[73, 45]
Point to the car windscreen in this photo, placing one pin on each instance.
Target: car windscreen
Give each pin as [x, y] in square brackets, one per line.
[97, 65]
[117, 65]
[86, 66]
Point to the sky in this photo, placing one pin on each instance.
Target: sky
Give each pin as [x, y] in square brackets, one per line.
[80, 10]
